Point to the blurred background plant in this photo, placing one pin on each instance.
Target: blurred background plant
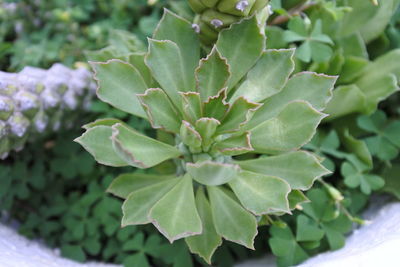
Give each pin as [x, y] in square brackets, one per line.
[359, 142]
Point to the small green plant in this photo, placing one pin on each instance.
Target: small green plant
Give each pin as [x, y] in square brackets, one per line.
[233, 125]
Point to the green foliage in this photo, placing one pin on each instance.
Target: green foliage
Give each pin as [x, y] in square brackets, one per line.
[210, 127]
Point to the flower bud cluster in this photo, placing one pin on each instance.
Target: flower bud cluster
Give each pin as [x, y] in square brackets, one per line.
[215, 15]
[36, 100]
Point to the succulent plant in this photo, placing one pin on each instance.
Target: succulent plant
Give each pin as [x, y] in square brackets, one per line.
[214, 15]
[236, 121]
[35, 100]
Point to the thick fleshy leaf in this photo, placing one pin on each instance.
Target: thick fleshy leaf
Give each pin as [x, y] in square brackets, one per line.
[308, 86]
[137, 60]
[231, 220]
[294, 126]
[215, 106]
[137, 206]
[212, 74]
[206, 127]
[126, 183]
[261, 194]
[96, 140]
[139, 150]
[118, 84]
[178, 30]
[206, 243]
[105, 122]
[160, 111]
[296, 198]
[346, 99]
[377, 89]
[268, 76]
[235, 145]
[165, 60]
[299, 168]
[243, 55]
[191, 106]
[212, 173]
[238, 115]
[189, 135]
[175, 215]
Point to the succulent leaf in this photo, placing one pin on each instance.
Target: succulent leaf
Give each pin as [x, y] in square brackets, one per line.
[139, 150]
[118, 84]
[137, 205]
[231, 220]
[212, 173]
[261, 194]
[175, 214]
[127, 183]
[206, 243]
[212, 74]
[160, 111]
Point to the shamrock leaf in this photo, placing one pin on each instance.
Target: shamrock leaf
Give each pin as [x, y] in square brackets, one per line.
[315, 45]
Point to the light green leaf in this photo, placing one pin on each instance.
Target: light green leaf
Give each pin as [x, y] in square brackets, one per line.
[346, 99]
[206, 243]
[215, 106]
[268, 76]
[165, 60]
[243, 55]
[261, 194]
[358, 147]
[294, 126]
[105, 122]
[206, 127]
[137, 60]
[178, 30]
[235, 145]
[127, 183]
[118, 84]
[139, 150]
[299, 168]
[308, 86]
[212, 74]
[189, 135]
[239, 113]
[191, 106]
[377, 90]
[137, 206]
[212, 173]
[231, 220]
[296, 198]
[175, 215]
[160, 110]
[96, 140]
